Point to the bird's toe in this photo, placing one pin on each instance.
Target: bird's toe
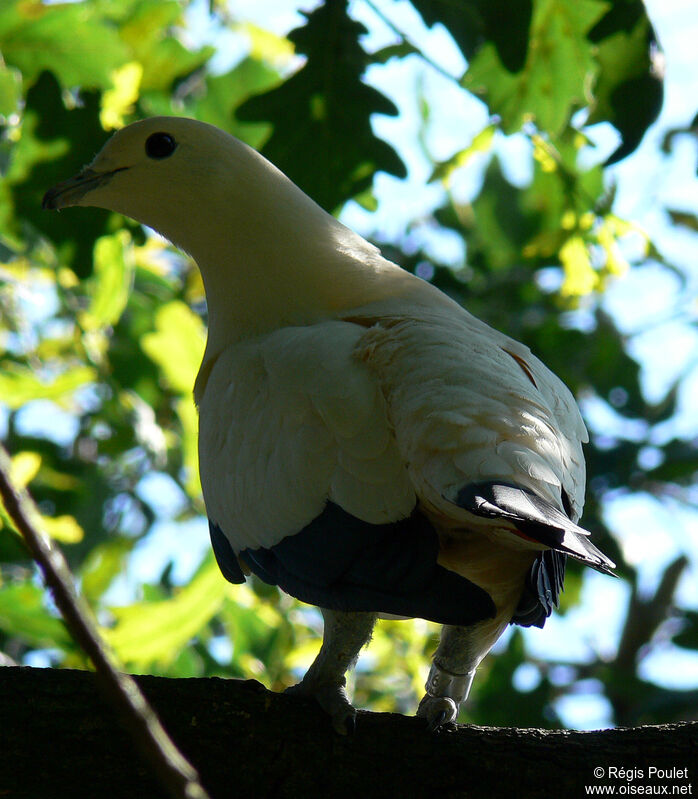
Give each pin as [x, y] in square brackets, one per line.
[333, 699]
[439, 711]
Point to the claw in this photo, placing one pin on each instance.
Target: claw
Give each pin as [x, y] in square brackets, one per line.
[438, 721]
[438, 711]
[333, 700]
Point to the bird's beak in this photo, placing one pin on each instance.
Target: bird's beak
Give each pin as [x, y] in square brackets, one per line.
[71, 191]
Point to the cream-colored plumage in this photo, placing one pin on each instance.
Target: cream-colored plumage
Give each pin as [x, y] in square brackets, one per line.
[296, 413]
[373, 414]
[336, 386]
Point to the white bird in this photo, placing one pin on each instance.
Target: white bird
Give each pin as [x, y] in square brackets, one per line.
[365, 443]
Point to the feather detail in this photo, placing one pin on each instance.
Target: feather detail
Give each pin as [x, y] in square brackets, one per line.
[464, 408]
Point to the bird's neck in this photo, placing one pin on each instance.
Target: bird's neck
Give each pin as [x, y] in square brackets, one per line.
[268, 279]
[270, 257]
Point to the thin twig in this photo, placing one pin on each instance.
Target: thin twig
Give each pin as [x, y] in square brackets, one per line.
[406, 40]
[176, 774]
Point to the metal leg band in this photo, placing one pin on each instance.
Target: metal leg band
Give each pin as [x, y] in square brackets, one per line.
[444, 683]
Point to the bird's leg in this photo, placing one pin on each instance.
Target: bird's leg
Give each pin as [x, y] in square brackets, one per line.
[450, 677]
[345, 634]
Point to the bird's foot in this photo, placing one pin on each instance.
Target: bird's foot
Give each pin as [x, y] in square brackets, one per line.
[332, 698]
[444, 693]
[439, 711]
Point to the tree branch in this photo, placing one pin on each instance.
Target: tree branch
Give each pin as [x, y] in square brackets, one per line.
[174, 771]
[646, 614]
[247, 741]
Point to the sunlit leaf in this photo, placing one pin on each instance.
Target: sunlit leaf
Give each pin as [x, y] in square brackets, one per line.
[177, 345]
[155, 632]
[23, 614]
[69, 39]
[63, 528]
[267, 46]
[224, 93]
[616, 263]
[25, 466]
[10, 90]
[103, 565]
[118, 102]
[162, 56]
[186, 410]
[111, 283]
[20, 384]
[481, 143]
[580, 276]
[555, 78]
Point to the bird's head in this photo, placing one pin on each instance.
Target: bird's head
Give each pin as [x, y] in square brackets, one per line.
[269, 255]
[176, 175]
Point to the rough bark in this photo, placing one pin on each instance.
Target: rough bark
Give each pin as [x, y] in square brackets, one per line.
[59, 738]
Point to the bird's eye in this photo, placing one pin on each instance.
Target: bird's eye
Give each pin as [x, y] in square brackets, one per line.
[160, 145]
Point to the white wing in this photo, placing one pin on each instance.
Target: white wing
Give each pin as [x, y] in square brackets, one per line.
[288, 421]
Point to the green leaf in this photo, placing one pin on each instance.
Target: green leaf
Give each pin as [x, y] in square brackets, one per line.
[162, 57]
[224, 93]
[481, 143]
[10, 90]
[554, 80]
[629, 90]
[177, 345]
[401, 50]
[20, 384]
[498, 227]
[684, 219]
[505, 23]
[55, 143]
[102, 565]
[23, 613]
[189, 419]
[251, 627]
[155, 632]
[111, 283]
[69, 39]
[325, 109]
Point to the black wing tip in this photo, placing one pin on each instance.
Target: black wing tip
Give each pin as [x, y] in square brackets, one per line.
[225, 556]
[604, 568]
[535, 516]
